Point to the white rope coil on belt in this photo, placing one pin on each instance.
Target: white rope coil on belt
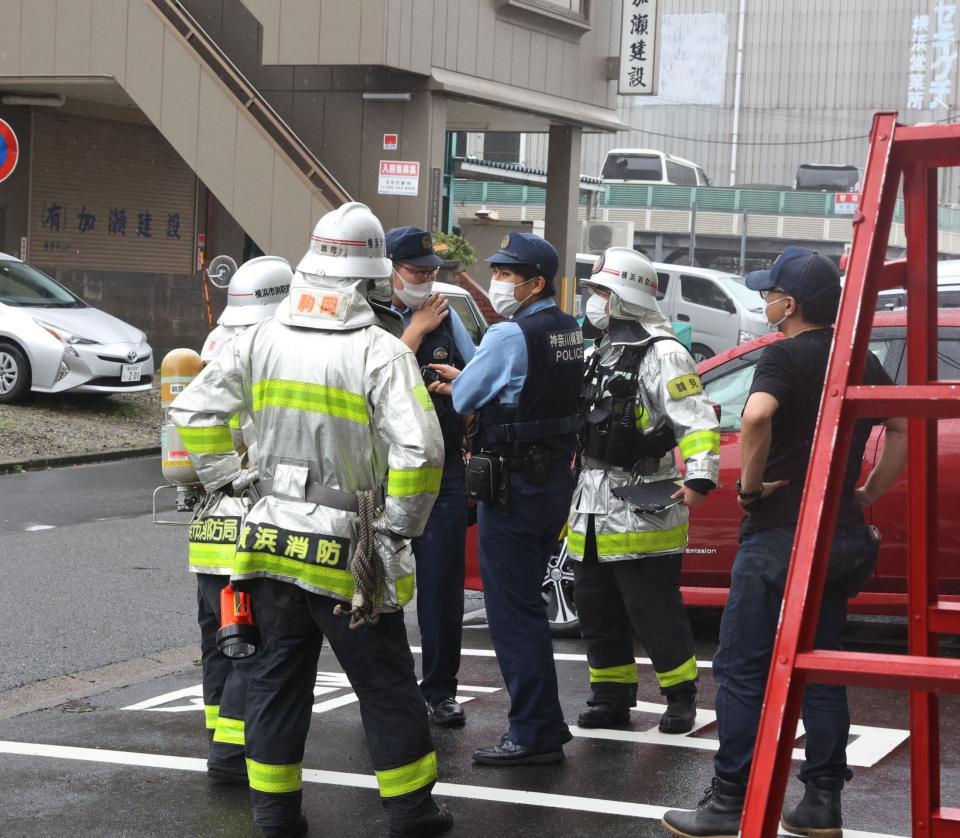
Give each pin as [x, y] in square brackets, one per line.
[369, 576]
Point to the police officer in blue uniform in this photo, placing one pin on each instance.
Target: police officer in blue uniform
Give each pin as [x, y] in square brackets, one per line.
[524, 385]
[434, 333]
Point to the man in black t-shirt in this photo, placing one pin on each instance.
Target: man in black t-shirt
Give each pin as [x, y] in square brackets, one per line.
[802, 294]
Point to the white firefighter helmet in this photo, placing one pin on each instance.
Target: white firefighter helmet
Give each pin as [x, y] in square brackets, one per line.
[256, 290]
[347, 243]
[631, 279]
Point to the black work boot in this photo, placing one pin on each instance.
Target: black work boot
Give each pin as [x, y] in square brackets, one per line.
[604, 715]
[301, 827]
[818, 813]
[681, 710]
[435, 822]
[716, 816]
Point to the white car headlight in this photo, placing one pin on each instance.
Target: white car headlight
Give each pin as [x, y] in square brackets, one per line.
[62, 335]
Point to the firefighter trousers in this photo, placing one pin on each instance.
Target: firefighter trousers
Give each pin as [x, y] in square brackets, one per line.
[224, 684]
[613, 599]
[379, 665]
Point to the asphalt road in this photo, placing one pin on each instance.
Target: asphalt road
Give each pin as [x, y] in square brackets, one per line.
[88, 579]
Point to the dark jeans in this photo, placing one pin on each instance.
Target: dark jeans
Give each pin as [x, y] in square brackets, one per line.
[439, 553]
[514, 550]
[747, 633]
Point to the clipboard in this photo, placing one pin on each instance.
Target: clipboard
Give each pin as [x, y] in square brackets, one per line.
[650, 497]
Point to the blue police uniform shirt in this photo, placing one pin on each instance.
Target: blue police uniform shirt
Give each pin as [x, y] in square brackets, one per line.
[461, 337]
[499, 368]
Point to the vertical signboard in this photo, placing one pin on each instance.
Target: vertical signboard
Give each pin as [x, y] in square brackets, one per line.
[638, 48]
[436, 197]
[933, 58]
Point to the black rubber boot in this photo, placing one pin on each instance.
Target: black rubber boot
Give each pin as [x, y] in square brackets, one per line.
[716, 816]
[432, 823]
[681, 710]
[604, 715]
[818, 813]
[301, 827]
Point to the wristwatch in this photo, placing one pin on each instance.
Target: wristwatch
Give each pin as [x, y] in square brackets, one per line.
[748, 496]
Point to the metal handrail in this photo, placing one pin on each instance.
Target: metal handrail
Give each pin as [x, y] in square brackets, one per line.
[251, 100]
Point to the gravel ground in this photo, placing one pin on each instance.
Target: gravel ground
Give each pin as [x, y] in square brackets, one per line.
[70, 424]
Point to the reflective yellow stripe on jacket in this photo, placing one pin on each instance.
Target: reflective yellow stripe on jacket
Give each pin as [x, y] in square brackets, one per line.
[402, 483]
[329, 579]
[699, 442]
[211, 555]
[315, 398]
[621, 543]
[407, 778]
[215, 440]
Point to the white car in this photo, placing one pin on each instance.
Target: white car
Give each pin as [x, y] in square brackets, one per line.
[466, 307]
[52, 341]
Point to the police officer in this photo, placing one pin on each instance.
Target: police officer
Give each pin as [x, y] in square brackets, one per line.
[433, 331]
[644, 399]
[255, 291]
[524, 382]
[340, 410]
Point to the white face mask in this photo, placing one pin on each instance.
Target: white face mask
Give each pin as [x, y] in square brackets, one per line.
[596, 311]
[772, 302]
[413, 295]
[502, 299]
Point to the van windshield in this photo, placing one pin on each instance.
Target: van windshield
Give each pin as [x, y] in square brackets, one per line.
[735, 285]
[827, 178]
[632, 167]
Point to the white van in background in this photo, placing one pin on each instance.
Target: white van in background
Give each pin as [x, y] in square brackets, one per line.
[647, 165]
[721, 310]
[948, 289]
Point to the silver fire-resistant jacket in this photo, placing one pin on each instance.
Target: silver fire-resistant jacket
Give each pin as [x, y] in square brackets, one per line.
[215, 528]
[669, 393]
[336, 401]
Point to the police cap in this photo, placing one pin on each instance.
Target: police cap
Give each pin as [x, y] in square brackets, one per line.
[528, 249]
[412, 246]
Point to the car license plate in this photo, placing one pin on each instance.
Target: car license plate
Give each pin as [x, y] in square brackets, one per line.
[129, 373]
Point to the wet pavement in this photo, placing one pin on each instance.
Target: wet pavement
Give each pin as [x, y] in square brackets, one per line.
[130, 762]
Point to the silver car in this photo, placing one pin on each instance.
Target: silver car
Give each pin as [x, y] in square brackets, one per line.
[52, 341]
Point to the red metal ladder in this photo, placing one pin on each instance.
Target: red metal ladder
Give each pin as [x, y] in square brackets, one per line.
[915, 153]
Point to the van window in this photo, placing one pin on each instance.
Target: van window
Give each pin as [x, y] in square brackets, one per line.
[663, 280]
[632, 167]
[702, 179]
[705, 292]
[681, 175]
[464, 306]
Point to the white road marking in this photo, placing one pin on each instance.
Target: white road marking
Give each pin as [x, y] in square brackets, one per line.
[643, 811]
[38, 527]
[557, 656]
[870, 746]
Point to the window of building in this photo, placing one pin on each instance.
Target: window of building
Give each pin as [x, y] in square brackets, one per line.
[569, 16]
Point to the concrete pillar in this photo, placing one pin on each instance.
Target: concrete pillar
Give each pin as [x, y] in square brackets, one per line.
[561, 226]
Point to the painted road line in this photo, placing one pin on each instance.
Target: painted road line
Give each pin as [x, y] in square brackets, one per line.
[644, 811]
[871, 745]
[557, 656]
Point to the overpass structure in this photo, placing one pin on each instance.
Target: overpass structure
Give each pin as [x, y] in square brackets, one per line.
[722, 226]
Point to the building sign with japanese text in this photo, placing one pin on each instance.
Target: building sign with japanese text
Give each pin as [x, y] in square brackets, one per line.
[638, 48]
[399, 177]
[933, 58]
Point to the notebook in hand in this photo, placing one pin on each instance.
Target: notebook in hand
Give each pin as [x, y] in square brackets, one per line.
[650, 497]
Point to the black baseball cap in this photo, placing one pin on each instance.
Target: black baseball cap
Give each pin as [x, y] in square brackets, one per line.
[802, 273]
[528, 249]
[412, 246]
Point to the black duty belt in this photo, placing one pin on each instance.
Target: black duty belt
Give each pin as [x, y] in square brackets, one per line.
[645, 465]
[534, 430]
[321, 495]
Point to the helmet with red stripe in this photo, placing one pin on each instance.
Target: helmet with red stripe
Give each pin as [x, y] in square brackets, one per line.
[347, 243]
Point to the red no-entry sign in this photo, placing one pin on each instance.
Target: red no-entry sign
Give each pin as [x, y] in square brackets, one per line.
[9, 150]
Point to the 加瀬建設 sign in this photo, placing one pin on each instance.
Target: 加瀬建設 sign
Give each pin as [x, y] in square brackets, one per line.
[638, 48]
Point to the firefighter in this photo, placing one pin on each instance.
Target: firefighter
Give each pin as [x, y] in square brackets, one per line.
[434, 332]
[255, 292]
[643, 398]
[341, 412]
[524, 382]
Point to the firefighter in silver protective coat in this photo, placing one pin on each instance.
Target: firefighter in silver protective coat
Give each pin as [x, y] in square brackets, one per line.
[643, 399]
[348, 465]
[255, 292]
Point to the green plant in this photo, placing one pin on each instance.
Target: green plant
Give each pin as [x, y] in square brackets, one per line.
[454, 248]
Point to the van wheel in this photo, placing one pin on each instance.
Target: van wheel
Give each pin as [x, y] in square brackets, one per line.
[14, 374]
[701, 352]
